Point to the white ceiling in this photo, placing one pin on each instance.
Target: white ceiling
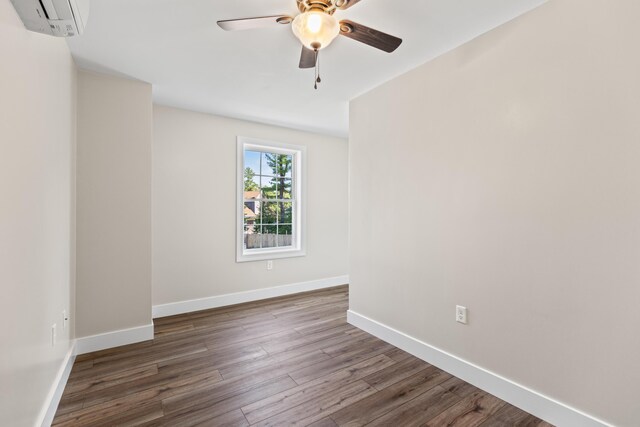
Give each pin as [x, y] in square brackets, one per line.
[193, 64]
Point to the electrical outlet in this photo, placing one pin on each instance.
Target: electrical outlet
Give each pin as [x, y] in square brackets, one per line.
[65, 319]
[54, 335]
[269, 265]
[461, 314]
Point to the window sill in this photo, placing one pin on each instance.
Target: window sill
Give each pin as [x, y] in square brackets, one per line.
[264, 255]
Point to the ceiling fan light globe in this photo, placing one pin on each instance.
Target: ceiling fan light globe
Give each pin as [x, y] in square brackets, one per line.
[314, 23]
[315, 28]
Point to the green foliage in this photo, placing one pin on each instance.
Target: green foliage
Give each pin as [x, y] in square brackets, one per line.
[249, 183]
[280, 164]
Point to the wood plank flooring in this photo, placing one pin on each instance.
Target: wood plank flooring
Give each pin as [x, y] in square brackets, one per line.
[289, 360]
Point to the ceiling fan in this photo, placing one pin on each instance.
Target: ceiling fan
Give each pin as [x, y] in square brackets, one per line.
[316, 28]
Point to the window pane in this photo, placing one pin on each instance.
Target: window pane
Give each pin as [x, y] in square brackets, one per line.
[284, 229]
[268, 164]
[270, 212]
[254, 184]
[284, 235]
[251, 197]
[252, 160]
[268, 186]
[251, 171]
[285, 211]
[252, 240]
[286, 166]
[251, 181]
[269, 240]
[251, 212]
[284, 188]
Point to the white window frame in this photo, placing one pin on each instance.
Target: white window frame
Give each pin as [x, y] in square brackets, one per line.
[298, 175]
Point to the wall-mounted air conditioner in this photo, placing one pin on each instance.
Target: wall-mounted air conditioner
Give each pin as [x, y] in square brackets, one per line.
[61, 18]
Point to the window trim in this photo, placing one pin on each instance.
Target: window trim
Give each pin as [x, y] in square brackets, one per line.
[298, 176]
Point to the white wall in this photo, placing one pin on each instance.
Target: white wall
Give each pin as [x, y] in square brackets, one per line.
[194, 212]
[37, 131]
[113, 204]
[504, 176]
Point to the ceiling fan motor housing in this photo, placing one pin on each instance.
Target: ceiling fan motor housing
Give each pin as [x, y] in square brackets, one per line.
[327, 6]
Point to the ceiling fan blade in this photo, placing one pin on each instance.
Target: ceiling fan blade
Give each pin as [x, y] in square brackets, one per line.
[346, 4]
[369, 36]
[307, 58]
[250, 23]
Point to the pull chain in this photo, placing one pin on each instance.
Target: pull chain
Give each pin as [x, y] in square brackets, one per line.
[317, 74]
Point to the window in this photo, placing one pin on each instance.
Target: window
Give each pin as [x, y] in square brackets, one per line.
[270, 195]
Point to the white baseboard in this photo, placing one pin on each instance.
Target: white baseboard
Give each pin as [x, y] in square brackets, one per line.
[535, 403]
[181, 307]
[48, 411]
[81, 346]
[114, 339]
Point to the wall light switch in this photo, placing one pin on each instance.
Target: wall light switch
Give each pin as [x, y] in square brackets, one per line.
[269, 265]
[461, 314]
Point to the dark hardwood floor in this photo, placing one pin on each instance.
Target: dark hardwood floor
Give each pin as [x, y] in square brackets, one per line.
[289, 360]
